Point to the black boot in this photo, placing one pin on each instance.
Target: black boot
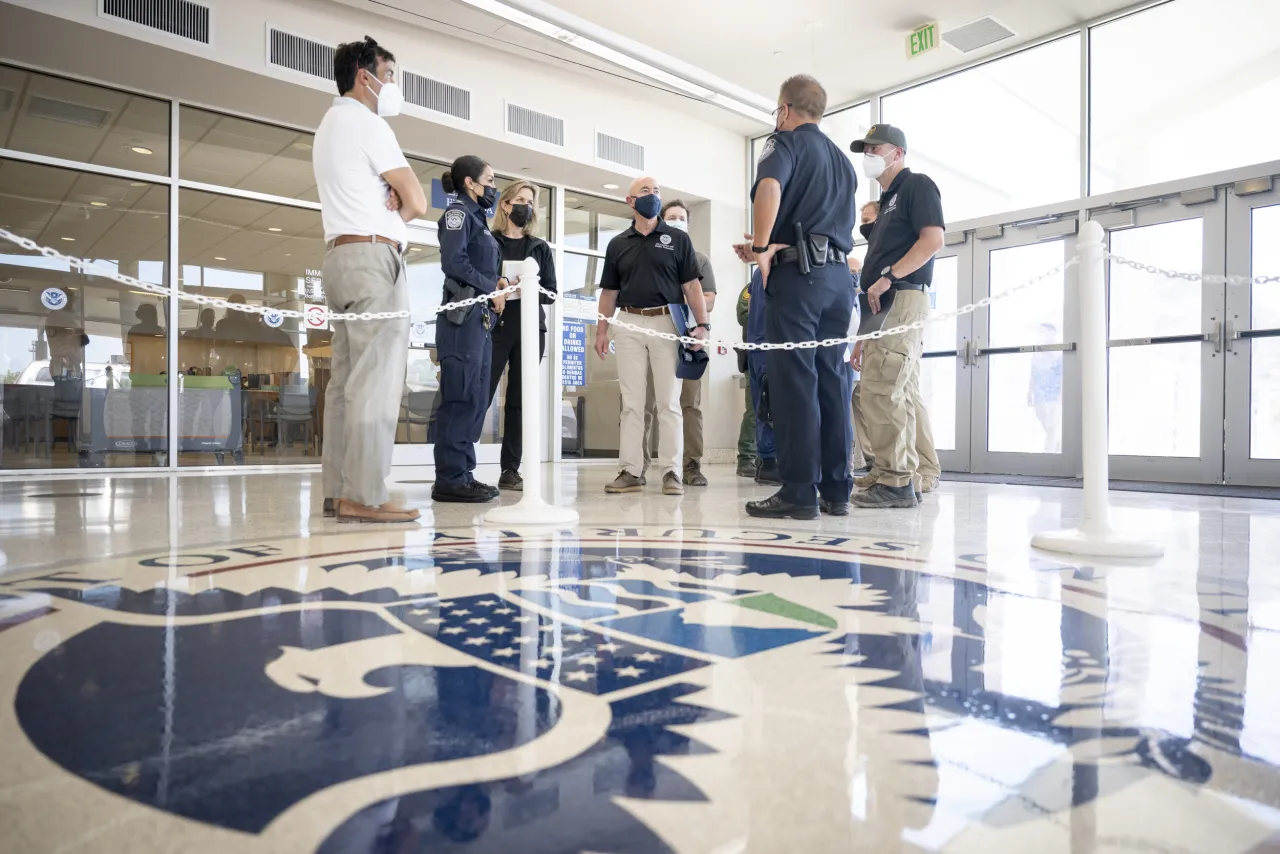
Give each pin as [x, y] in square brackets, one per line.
[774, 507]
[463, 493]
[767, 474]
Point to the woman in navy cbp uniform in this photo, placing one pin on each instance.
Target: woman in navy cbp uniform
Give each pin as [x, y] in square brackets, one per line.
[470, 259]
[514, 224]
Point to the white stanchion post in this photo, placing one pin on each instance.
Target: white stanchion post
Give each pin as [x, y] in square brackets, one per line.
[1094, 537]
[531, 509]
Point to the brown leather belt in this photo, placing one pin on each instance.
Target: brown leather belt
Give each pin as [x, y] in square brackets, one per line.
[344, 239]
[648, 312]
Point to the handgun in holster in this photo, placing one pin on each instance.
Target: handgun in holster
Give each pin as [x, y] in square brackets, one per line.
[455, 291]
[765, 410]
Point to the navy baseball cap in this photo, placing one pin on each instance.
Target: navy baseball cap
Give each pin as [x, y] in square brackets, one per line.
[878, 135]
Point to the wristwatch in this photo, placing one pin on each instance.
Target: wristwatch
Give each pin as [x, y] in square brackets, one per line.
[887, 273]
[706, 326]
[759, 249]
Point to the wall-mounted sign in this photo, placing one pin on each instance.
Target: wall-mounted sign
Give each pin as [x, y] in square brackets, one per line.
[54, 299]
[273, 318]
[316, 316]
[419, 330]
[573, 358]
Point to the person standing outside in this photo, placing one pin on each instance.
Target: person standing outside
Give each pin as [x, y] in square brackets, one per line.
[649, 269]
[803, 217]
[471, 261]
[367, 194]
[899, 267]
[515, 225]
[676, 215]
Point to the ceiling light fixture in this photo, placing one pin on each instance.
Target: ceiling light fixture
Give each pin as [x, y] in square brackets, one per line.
[69, 239]
[617, 57]
[141, 149]
[218, 258]
[275, 229]
[98, 204]
[611, 186]
[302, 146]
[138, 184]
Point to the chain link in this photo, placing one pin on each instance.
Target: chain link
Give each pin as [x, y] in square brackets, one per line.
[1208, 279]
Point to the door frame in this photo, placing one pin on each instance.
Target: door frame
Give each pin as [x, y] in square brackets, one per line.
[1207, 206]
[1238, 466]
[1066, 463]
[959, 246]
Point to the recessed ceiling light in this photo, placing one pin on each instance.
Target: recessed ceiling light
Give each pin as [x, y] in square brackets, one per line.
[138, 184]
[218, 258]
[275, 229]
[573, 200]
[69, 239]
[415, 249]
[302, 146]
[141, 149]
[288, 254]
[98, 204]
[611, 186]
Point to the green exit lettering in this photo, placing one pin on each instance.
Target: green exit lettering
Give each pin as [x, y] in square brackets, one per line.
[922, 40]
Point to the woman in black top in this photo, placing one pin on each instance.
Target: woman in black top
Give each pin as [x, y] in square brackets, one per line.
[514, 224]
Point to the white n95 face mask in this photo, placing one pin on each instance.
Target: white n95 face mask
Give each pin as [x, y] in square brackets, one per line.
[390, 100]
[681, 224]
[873, 166]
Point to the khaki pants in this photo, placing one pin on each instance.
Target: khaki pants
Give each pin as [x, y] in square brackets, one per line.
[897, 422]
[638, 356]
[690, 411]
[366, 383]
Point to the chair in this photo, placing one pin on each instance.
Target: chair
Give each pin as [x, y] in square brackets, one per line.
[296, 409]
[417, 408]
[27, 409]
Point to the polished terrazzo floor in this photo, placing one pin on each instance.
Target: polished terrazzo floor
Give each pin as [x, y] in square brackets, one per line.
[203, 664]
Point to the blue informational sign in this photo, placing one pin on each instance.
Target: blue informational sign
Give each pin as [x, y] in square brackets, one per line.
[573, 359]
[439, 198]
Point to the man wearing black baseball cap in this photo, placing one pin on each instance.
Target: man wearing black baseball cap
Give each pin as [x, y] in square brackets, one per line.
[897, 272]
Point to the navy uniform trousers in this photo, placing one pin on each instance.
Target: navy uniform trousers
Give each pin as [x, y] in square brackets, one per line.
[809, 389]
[465, 353]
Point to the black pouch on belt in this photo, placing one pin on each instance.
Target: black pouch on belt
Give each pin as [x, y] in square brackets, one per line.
[742, 359]
[818, 246]
[453, 292]
[765, 412]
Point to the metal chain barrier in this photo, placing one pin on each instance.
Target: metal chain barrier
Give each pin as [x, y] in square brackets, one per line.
[1191, 277]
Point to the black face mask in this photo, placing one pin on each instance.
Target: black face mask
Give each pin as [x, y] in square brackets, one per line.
[521, 214]
[489, 199]
[865, 229]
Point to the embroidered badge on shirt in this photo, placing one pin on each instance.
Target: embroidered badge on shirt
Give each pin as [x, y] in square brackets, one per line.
[453, 220]
[665, 240]
[766, 151]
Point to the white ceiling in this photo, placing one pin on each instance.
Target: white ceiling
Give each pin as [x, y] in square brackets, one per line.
[854, 48]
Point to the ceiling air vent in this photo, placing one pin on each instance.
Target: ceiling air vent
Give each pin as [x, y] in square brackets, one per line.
[298, 54]
[979, 34]
[619, 151]
[181, 18]
[535, 125]
[61, 111]
[437, 96]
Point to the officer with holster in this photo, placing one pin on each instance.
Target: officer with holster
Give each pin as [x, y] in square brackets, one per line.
[803, 215]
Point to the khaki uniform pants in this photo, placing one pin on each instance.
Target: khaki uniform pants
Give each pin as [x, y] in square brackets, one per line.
[897, 423]
[691, 413]
[639, 357]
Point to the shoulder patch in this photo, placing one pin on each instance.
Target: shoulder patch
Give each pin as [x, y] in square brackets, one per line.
[453, 219]
[766, 151]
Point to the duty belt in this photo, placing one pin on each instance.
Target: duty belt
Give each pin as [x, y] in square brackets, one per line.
[909, 286]
[790, 255]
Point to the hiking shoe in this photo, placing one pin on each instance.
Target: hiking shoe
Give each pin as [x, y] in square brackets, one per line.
[693, 474]
[671, 484]
[768, 474]
[833, 508]
[625, 482]
[511, 481]
[471, 492]
[882, 496]
[747, 466]
[774, 507]
[867, 481]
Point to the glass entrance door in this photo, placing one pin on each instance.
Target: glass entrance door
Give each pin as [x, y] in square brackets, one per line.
[945, 369]
[1165, 342]
[1024, 363]
[420, 400]
[1253, 341]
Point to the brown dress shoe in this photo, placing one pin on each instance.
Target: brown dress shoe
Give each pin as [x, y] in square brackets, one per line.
[349, 511]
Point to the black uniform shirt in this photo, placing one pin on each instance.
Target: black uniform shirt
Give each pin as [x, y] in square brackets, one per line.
[520, 248]
[648, 270]
[910, 205]
[818, 184]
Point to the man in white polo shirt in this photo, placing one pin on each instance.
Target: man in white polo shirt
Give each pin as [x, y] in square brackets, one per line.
[367, 194]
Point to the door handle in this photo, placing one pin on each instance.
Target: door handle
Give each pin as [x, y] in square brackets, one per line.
[1219, 336]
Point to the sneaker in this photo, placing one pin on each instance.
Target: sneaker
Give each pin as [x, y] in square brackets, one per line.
[349, 511]
[833, 508]
[625, 482]
[774, 507]
[768, 474]
[671, 484]
[511, 481]
[472, 492]
[882, 496]
[693, 474]
[747, 466]
[867, 481]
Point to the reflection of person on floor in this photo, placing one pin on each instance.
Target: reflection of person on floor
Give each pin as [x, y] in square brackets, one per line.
[1045, 390]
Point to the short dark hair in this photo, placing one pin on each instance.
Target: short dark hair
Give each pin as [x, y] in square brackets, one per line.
[466, 166]
[674, 203]
[804, 94]
[349, 58]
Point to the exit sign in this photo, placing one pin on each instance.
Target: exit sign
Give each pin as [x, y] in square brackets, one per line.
[922, 40]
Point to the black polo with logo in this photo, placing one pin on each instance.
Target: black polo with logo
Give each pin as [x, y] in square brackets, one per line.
[649, 270]
[911, 204]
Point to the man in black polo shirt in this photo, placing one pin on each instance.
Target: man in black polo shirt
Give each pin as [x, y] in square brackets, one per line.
[896, 275]
[649, 271]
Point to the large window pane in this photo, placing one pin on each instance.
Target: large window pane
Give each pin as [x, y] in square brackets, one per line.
[234, 152]
[1002, 136]
[79, 121]
[1264, 387]
[84, 359]
[1165, 78]
[592, 402]
[249, 383]
[591, 222]
[843, 128]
